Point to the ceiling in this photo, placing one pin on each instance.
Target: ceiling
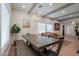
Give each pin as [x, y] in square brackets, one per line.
[54, 11]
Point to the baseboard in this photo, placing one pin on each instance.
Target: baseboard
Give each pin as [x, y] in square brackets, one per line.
[8, 50]
[71, 35]
[5, 50]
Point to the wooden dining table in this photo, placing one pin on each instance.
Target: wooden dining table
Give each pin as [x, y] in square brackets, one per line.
[40, 42]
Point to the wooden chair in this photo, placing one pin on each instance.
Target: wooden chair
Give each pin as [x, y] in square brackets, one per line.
[49, 52]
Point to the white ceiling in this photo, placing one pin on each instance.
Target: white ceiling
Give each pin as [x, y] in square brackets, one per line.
[46, 8]
[18, 6]
[67, 10]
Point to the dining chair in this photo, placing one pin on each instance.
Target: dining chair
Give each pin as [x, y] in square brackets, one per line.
[50, 52]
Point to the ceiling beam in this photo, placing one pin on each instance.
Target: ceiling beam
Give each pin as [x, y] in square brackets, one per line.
[69, 14]
[69, 18]
[58, 9]
[49, 18]
[64, 15]
[34, 5]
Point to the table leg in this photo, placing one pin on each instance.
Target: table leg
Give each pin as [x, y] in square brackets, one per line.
[29, 45]
[77, 51]
[42, 51]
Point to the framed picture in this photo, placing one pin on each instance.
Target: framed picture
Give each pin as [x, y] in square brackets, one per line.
[57, 26]
[26, 23]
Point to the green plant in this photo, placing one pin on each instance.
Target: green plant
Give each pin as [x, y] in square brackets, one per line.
[15, 29]
[77, 29]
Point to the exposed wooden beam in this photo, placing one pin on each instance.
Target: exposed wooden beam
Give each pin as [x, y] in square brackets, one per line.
[69, 18]
[32, 8]
[50, 18]
[63, 19]
[64, 15]
[69, 14]
[58, 9]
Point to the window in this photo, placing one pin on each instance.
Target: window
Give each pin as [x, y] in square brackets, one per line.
[49, 27]
[41, 28]
[4, 25]
[44, 28]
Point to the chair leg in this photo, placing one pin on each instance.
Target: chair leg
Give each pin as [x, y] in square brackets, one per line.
[77, 51]
[59, 47]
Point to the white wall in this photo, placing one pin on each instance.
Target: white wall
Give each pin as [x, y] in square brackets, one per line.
[61, 25]
[17, 18]
[0, 28]
[6, 47]
[69, 27]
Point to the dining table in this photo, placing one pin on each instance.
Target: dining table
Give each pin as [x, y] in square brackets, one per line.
[40, 42]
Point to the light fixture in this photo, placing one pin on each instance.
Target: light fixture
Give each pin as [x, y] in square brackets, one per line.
[50, 4]
[59, 18]
[34, 15]
[63, 11]
[70, 15]
[23, 6]
[37, 16]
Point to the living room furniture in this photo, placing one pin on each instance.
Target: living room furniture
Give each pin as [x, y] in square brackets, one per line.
[50, 52]
[40, 42]
[50, 34]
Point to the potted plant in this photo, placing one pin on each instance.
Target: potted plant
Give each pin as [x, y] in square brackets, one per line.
[77, 29]
[14, 30]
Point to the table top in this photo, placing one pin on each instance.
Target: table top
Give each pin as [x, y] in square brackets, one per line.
[40, 41]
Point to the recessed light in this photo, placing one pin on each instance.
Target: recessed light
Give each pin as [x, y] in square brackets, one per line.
[23, 6]
[59, 18]
[70, 16]
[63, 11]
[50, 4]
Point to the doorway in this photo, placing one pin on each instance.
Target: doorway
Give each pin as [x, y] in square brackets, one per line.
[63, 30]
